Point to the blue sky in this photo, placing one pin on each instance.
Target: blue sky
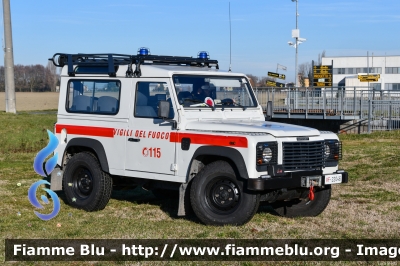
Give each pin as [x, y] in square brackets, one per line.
[260, 29]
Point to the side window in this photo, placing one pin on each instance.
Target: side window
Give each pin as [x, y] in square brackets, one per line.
[148, 94]
[93, 96]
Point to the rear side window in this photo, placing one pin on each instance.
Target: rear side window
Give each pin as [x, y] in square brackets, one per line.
[93, 96]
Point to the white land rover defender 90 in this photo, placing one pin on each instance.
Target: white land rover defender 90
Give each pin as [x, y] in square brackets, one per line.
[178, 123]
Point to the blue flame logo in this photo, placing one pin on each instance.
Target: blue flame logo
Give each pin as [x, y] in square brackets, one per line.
[44, 169]
[36, 203]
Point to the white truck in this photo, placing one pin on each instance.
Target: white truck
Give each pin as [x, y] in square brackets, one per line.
[170, 123]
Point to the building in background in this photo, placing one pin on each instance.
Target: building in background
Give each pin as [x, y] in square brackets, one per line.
[347, 68]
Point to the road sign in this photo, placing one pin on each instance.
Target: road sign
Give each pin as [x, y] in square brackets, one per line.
[322, 84]
[368, 78]
[322, 76]
[275, 84]
[277, 75]
[273, 74]
[323, 67]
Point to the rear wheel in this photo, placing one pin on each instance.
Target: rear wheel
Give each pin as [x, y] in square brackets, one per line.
[305, 207]
[218, 197]
[86, 186]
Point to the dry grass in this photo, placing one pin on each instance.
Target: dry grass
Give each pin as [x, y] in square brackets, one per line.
[28, 101]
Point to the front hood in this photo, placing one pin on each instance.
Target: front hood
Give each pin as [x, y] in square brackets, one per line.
[273, 128]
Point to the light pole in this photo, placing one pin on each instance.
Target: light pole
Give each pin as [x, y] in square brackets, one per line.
[8, 60]
[296, 36]
[298, 41]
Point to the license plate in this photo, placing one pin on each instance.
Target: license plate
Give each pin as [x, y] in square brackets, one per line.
[333, 179]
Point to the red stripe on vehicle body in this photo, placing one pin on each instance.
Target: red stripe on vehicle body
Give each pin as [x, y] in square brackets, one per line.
[87, 131]
[214, 140]
[205, 139]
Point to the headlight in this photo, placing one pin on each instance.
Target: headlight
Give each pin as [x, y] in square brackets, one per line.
[327, 151]
[332, 152]
[267, 155]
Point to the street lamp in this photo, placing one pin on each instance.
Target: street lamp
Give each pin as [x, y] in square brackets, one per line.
[298, 40]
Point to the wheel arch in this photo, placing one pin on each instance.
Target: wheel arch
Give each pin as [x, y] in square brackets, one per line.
[208, 154]
[84, 144]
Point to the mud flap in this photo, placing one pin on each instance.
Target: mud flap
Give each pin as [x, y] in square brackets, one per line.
[56, 179]
[181, 207]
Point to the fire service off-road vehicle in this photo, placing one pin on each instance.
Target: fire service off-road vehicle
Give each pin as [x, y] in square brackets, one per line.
[169, 123]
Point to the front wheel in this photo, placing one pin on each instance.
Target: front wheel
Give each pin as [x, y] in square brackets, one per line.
[304, 207]
[85, 185]
[217, 196]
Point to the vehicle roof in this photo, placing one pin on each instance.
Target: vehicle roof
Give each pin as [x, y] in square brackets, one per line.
[162, 71]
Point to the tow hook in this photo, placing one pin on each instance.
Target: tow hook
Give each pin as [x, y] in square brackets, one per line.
[311, 193]
[310, 182]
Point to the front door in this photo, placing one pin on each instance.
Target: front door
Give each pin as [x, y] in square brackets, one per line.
[149, 151]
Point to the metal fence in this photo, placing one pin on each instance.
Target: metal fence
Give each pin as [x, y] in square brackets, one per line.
[379, 109]
[383, 115]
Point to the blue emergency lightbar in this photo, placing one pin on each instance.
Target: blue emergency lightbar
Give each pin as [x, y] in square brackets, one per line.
[203, 55]
[143, 51]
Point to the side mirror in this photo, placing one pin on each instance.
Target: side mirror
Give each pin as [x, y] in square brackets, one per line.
[163, 109]
[269, 110]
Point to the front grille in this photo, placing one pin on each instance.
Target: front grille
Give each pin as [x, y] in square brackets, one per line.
[303, 155]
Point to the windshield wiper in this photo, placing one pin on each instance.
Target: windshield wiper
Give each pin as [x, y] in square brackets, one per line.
[231, 102]
[192, 100]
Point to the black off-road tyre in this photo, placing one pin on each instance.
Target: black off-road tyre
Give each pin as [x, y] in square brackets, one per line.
[85, 185]
[305, 207]
[218, 197]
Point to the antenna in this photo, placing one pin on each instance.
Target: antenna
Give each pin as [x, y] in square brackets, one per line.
[230, 39]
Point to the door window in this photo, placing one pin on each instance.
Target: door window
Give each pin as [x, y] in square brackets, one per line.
[148, 94]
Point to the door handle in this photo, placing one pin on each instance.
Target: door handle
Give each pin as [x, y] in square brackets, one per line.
[133, 140]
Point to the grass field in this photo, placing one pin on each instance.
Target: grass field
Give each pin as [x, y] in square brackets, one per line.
[367, 207]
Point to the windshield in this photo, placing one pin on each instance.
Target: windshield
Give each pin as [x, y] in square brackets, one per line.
[213, 91]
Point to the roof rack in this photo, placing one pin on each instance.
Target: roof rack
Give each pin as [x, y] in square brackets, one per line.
[108, 63]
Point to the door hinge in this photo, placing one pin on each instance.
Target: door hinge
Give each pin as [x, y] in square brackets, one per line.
[174, 167]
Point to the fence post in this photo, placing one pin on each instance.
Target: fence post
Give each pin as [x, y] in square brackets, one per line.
[354, 103]
[369, 115]
[313, 95]
[324, 104]
[341, 102]
[390, 115]
[361, 105]
[273, 101]
[289, 103]
[306, 103]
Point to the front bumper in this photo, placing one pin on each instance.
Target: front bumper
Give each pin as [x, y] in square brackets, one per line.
[295, 180]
